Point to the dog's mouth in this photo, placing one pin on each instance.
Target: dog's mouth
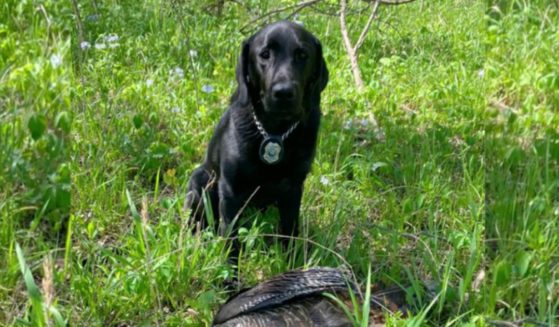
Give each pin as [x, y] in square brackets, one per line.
[283, 109]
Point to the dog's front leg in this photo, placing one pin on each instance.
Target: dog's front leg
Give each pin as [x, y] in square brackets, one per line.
[230, 205]
[289, 204]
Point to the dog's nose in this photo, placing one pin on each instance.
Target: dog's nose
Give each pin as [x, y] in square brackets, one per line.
[283, 91]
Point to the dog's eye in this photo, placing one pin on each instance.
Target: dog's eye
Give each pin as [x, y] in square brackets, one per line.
[300, 54]
[265, 54]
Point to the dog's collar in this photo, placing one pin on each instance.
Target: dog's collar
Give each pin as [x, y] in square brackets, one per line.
[267, 135]
[271, 149]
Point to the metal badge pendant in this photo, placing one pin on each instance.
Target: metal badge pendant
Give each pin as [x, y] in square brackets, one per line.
[271, 150]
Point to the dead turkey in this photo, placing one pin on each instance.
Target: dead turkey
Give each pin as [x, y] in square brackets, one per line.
[296, 298]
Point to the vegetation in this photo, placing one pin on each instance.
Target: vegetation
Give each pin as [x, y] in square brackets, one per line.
[445, 168]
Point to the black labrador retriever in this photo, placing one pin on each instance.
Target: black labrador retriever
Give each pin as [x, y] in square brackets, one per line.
[264, 144]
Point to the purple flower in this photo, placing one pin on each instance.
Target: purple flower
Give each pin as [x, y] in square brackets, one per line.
[207, 88]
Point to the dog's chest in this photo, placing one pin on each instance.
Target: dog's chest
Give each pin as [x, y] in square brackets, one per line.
[273, 180]
[268, 192]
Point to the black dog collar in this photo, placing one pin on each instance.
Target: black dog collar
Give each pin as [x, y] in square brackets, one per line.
[271, 149]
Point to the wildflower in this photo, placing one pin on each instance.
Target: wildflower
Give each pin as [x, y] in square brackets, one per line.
[55, 60]
[480, 73]
[324, 180]
[92, 18]
[85, 45]
[193, 53]
[207, 88]
[177, 72]
[348, 124]
[175, 110]
[111, 38]
[149, 82]
[108, 41]
[48, 283]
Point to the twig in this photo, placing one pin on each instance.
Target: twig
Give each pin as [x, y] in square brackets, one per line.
[96, 7]
[80, 55]
[516, 323]
[42, 9]
[295, 12]
[365, 30]
[345, 35]
[351, 50]
[299, 7]
[395, 2]
[79, 22]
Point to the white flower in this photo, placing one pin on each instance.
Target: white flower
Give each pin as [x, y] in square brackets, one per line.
[56, 60]
[480, 73]
[175, 110]
[100, 46]
[324, 180]
[207, 88]
[177, 72]
[111, 38]
[85, 45]
[364, 122]
[193, 53]
[149, 82]
[348, 124]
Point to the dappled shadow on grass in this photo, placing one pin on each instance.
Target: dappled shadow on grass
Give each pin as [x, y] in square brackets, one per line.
[395, 190]
[522, 187]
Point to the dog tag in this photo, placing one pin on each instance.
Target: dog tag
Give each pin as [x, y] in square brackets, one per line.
[271, 150]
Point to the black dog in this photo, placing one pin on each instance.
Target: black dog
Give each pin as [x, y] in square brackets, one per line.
[263, 147]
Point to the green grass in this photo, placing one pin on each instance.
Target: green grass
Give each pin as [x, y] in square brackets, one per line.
[459, 180]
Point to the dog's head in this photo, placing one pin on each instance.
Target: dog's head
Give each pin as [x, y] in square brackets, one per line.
[281, 71]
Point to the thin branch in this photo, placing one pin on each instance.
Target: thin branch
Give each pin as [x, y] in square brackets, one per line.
[343, 26]
[78, 21]
[42, 9]
[80, 53]
[395, 2]
[96, 7]
[299, 7]
[351, 51]
[372, 17]
[516, 323]
[335, 12]
[295, 12]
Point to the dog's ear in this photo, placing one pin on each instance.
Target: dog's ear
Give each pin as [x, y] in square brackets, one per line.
[242, 94]
[320, 75]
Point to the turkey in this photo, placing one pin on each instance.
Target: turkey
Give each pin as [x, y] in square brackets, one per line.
[296, 298]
